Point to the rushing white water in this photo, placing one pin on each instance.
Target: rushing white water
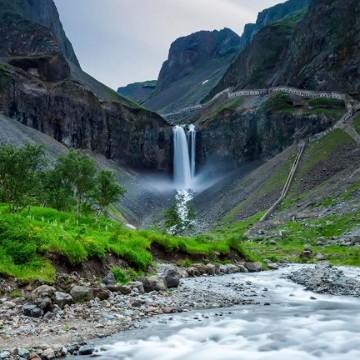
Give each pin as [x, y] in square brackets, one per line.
[182, 169]
[299, 325]
[192, 148]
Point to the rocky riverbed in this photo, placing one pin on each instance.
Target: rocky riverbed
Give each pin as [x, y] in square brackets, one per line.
[50, 322]
[76, 328]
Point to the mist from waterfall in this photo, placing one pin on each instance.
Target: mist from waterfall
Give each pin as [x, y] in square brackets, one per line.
[184, 157]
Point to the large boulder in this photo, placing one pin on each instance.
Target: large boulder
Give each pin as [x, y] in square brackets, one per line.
[154, 283]
[109, 279]
[81, 293]
[118, 288]
[61, 299]
[43, 297]
[32, 310]
[253, 266]
[101, 293]
[172, 277]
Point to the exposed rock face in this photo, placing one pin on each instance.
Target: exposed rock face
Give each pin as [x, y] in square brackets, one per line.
[40, 12]
[246, 136]
[270, 16]
[38, 89]
[257, 63]
[319, 51]
[324, 52]
[195, 64]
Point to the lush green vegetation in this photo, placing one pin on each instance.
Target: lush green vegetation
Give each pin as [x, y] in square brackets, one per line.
[320, 151]
[291, 238]
[28, 238]
[325, 102]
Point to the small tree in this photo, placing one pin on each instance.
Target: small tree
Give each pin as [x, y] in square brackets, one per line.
[78, 171]
[19, 174]
[55, 192]
[107, 190]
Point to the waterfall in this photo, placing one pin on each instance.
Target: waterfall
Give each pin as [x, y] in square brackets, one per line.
[184, 156]
[182, 168]
[192, 148]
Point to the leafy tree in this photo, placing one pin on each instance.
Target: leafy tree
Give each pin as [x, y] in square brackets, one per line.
[107, 190]
[55, 191]
[19, 170]
[78, 171]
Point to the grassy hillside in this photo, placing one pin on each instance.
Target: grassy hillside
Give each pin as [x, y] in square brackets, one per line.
[31, 239]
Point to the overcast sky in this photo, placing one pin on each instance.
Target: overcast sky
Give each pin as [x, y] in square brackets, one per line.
[123, 41]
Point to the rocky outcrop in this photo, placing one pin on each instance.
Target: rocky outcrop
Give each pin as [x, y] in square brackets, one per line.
[324, 52]
[42, 13]
[247, 135]
[195, 64]
[42, 87]
[272, 15]
[318, 51]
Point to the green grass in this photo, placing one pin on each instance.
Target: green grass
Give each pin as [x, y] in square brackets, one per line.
[293, 19]
[357, 123]
[294, 235]
[325, 102]
[28, 238]
[279, 102]
[320, 151]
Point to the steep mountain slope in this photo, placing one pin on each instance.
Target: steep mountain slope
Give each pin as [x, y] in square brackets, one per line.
[138, 92]
[195, 63]
[324, 52]
[318, 52]
[41, 88]
[270, 16]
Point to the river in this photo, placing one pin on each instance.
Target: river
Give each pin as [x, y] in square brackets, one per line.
[287, 323]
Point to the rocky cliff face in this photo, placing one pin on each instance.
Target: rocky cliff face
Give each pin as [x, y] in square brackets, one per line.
[270, 16]
[324, 52]
[38, 88]
[198, 62]
[319, 51]
[248, 129]
[41, 12]
[195, 63]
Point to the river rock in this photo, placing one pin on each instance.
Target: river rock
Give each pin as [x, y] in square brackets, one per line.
[155, 282]
[137, 286]
[326, 279]
[101, 293]
[242, 268]
[86, 350]
[253, 266]
[117, 288]
[81, 293]
[32, 310]
[4, 355]
[109, 279]
[43, 291]
[210, 269]
[62, 299]
[48, 354]
[172, 277]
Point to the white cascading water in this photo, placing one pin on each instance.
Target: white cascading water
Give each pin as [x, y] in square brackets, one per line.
[192, 148]
[184, 172]
[182, 167]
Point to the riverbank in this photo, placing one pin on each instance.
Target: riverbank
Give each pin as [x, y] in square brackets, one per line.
[113, 308]
[70, 330]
